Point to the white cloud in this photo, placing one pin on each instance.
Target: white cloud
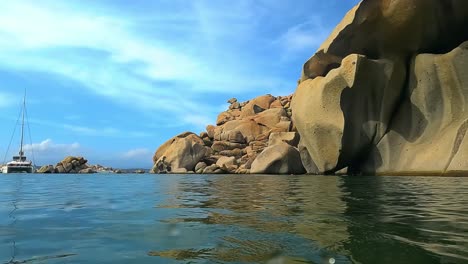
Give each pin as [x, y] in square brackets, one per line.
[49, 146]
[137, 154]
[49, 152]
[151, 74]
[302, 37]
[104, 131]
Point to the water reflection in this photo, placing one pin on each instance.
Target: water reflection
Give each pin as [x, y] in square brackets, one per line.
[348, 219]
[407, 220]
[310, 209]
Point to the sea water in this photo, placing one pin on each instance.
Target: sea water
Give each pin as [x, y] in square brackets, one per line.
[232, 219]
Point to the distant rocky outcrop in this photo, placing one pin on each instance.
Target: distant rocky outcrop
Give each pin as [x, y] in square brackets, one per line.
[387, 92]
[69, 165]
[79, 165]
[241, 134]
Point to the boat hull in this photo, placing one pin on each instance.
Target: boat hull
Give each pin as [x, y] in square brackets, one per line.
[17, 169]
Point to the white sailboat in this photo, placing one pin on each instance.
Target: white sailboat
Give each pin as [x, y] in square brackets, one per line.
[20, 164]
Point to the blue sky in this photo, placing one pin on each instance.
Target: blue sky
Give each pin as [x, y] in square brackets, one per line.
[111, 80]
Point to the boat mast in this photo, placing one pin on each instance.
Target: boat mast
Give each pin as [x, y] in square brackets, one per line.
[21, 153]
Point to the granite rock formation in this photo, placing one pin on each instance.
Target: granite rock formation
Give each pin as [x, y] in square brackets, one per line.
[241, 133]
[386, 93]
[69, 165]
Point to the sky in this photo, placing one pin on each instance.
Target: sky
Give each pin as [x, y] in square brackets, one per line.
[111, 80]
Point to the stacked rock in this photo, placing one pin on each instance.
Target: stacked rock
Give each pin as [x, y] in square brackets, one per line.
[241, 134]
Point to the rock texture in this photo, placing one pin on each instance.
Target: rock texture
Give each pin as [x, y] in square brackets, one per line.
[241, 133]
[385, 93]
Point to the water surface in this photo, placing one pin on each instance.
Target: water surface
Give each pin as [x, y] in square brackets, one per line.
[232, 219]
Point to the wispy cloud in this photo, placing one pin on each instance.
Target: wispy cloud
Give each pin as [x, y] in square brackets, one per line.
[305, 36]
[80, 130]
[48, 151]
[104, 131]
[49, 146]
[109, 55]
[137, 154]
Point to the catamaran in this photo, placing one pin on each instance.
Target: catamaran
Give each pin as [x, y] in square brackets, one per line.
[20, 164]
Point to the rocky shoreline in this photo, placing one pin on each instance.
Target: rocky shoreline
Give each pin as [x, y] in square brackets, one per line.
[386, 93]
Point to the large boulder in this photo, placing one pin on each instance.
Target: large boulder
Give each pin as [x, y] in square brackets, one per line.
[181, 153]
[227, 116]
[270, 118]
[278, 159]
[257, 105]
[163, 148]
[339, 116]
[244, 130]
[228, 164]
